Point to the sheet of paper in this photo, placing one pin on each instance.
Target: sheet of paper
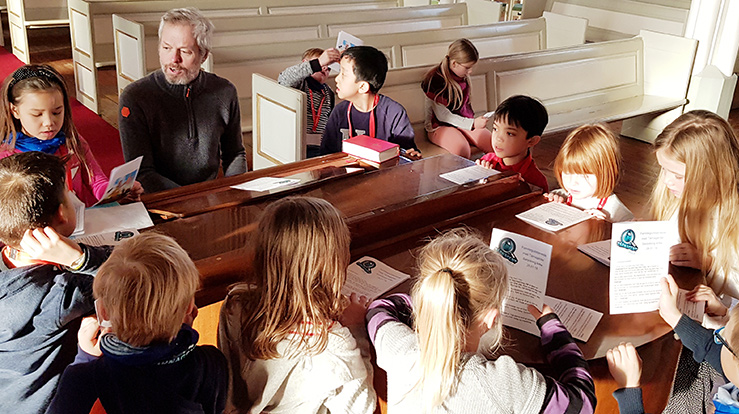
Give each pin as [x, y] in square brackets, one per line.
[639, 259]
[600, 251]
[489, 114]
[107, 239]
[527, 261]
[100, 220]
[122, 179]
[371, 278]
[79, 212]
[694, 310]
[553, 216]
[344, 41]
[579, 320]
[266, 184]
[468, 174]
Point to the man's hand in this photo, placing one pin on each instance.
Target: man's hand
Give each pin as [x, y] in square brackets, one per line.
[48, 245]
[134, 194]
[625, 365]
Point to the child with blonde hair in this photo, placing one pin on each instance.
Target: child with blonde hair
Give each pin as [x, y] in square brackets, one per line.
[428, 342]
[292, 343]
[698, 188]
[587, 168]
[450, 120]
[36, 116]
[150, 361]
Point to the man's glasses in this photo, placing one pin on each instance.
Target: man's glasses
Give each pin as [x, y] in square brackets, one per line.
[718, 339]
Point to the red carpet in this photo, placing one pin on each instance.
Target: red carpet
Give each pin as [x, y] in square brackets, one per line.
[102, 137]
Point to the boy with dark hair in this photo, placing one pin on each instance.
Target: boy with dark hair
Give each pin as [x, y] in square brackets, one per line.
[517, 127]
[41, 302]
[364, 111]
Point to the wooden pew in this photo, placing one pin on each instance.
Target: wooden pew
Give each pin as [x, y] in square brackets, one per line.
[403, 49]
[32, 14]
[643, 78]
[92, 30]
[618, 19]
[385, 223]
[597, 82]
[135, 38]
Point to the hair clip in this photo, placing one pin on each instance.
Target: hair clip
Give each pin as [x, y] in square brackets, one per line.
[27, 72]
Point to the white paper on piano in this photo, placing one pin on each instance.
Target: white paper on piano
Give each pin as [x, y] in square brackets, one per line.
[600, 251]
[468, 174]
[100, 220]
[107, 239]
[344, 41]
[527, 261]
[266, 184]
[79, 212]
[553, 216]
[694, 310]
[122, 179]
[371, 278]
[578, 319]
[640, 257]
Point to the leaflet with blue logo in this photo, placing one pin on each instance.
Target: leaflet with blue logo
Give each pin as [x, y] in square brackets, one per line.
[553, 216]
[527, 261]
[371, 278]
[640, 257]
[107, 239]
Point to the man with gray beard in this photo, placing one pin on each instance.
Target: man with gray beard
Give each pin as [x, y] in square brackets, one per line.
[185, 122]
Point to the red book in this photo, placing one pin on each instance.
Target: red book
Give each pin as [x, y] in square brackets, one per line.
[371, 149]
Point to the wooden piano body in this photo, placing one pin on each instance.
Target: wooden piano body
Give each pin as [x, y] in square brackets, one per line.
[393, 211]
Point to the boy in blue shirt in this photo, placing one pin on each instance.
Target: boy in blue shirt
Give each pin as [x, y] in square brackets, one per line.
[364, 111]
[41, 302]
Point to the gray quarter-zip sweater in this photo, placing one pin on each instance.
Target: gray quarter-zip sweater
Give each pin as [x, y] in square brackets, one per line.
[183, 131]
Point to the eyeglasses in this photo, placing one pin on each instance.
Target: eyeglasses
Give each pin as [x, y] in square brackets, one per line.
[718, 339]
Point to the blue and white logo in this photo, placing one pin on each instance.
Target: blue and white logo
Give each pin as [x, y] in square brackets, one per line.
[553, 222]
[123, 234]
[367, 266]
[507, 248]
[627, 240]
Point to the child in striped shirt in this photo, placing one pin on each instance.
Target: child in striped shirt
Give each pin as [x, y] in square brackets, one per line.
[428, 341]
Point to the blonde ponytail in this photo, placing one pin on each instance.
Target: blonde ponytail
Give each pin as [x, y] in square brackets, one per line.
[460, 280]
[441, 333]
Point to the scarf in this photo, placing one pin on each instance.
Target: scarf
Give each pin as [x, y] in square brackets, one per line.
[159, 354]
[24, 143]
